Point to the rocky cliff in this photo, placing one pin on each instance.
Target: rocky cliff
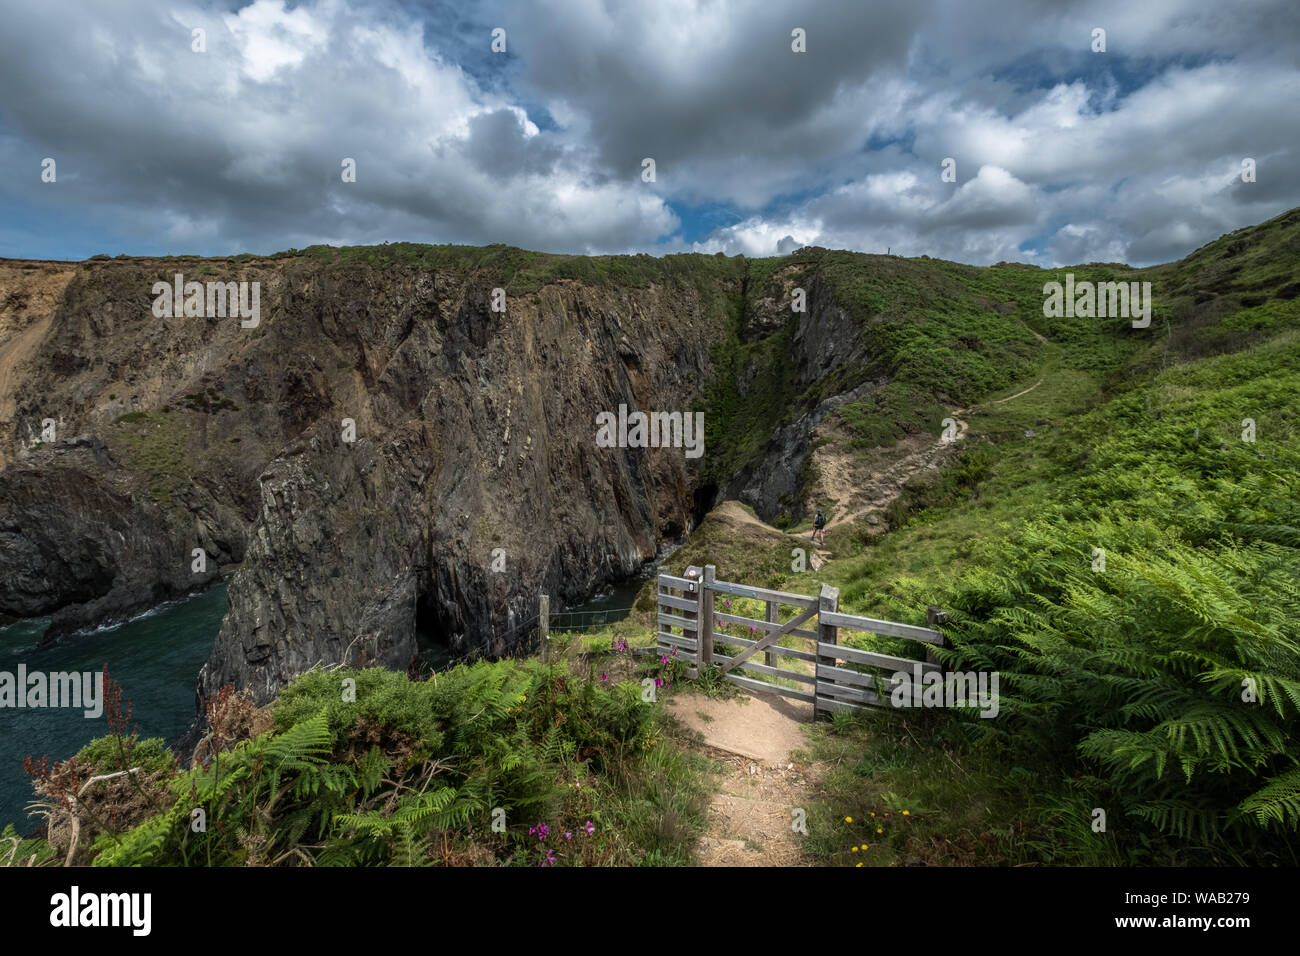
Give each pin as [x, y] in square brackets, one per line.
[471, 430]
[388, 454]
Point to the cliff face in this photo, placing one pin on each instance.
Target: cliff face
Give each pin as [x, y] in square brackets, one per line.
[467, 479]
[474, 431]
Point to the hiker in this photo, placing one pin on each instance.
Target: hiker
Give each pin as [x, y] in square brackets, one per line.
[819, 526]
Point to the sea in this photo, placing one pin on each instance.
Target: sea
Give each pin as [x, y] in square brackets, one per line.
[155, 658]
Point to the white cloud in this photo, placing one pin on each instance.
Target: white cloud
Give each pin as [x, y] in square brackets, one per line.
[1056, 149]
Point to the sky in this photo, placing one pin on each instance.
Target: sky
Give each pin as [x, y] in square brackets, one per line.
[168, 142]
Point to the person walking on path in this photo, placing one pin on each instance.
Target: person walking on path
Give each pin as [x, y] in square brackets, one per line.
[819, 526]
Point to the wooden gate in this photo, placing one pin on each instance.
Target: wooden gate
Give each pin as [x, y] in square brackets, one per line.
[690, 620]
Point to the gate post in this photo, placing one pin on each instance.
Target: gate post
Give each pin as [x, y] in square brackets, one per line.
[934, 617]
[704, 636]
[827, 601]
[693, 590]
[544, 626]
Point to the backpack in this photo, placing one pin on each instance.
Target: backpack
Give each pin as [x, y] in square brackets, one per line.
[821, 519]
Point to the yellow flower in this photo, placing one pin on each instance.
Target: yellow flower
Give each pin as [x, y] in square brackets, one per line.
[873, 813]
[859, 864]
[907, 813]
[878, 830]
[850, 819]
[854, 849]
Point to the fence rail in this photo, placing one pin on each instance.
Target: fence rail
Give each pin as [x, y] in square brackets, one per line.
[686, 606]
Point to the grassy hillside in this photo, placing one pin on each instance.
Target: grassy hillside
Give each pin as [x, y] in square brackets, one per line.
[1122, 688]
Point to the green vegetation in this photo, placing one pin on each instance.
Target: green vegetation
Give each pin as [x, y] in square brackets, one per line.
[1164, 689]
[208, 401]
[1121, 544]
[156, 444]
[523, 272]
[368, 767]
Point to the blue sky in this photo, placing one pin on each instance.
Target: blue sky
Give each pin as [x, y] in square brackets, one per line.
[1063, 154]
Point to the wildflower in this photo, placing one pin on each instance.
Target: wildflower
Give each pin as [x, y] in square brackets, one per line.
[568, 835]
[674, 652]
[542, 830]
[604, 678]
[590, 829]
[878, 830]
[907, 813]
[659, 682]
[728, 603]
[663, 659]
[854, 849]
[859, 864]
[850, 819]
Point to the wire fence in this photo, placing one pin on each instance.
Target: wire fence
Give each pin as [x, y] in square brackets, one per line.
[587, 620]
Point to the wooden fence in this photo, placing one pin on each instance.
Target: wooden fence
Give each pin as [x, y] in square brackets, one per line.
[690, 620]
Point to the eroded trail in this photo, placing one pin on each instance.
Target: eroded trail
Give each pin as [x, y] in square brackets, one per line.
[766, 777]
[861, 487]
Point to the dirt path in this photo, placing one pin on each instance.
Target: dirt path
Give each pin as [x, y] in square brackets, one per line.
[859, 489]
[1018, 394]
[1031, 387]
[735, 511]
[758, 741]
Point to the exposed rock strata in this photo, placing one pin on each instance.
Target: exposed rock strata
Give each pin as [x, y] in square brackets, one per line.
[474, 431]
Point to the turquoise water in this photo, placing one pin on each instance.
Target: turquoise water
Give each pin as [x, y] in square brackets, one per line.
[156, 658]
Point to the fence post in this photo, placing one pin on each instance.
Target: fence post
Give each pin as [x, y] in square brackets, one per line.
[704, 636]
[934, 616]
[696, 593]
[773, 616]
[828, 601]
[544, 626]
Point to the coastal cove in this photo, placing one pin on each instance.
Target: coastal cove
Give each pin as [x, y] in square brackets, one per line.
[155, 657]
